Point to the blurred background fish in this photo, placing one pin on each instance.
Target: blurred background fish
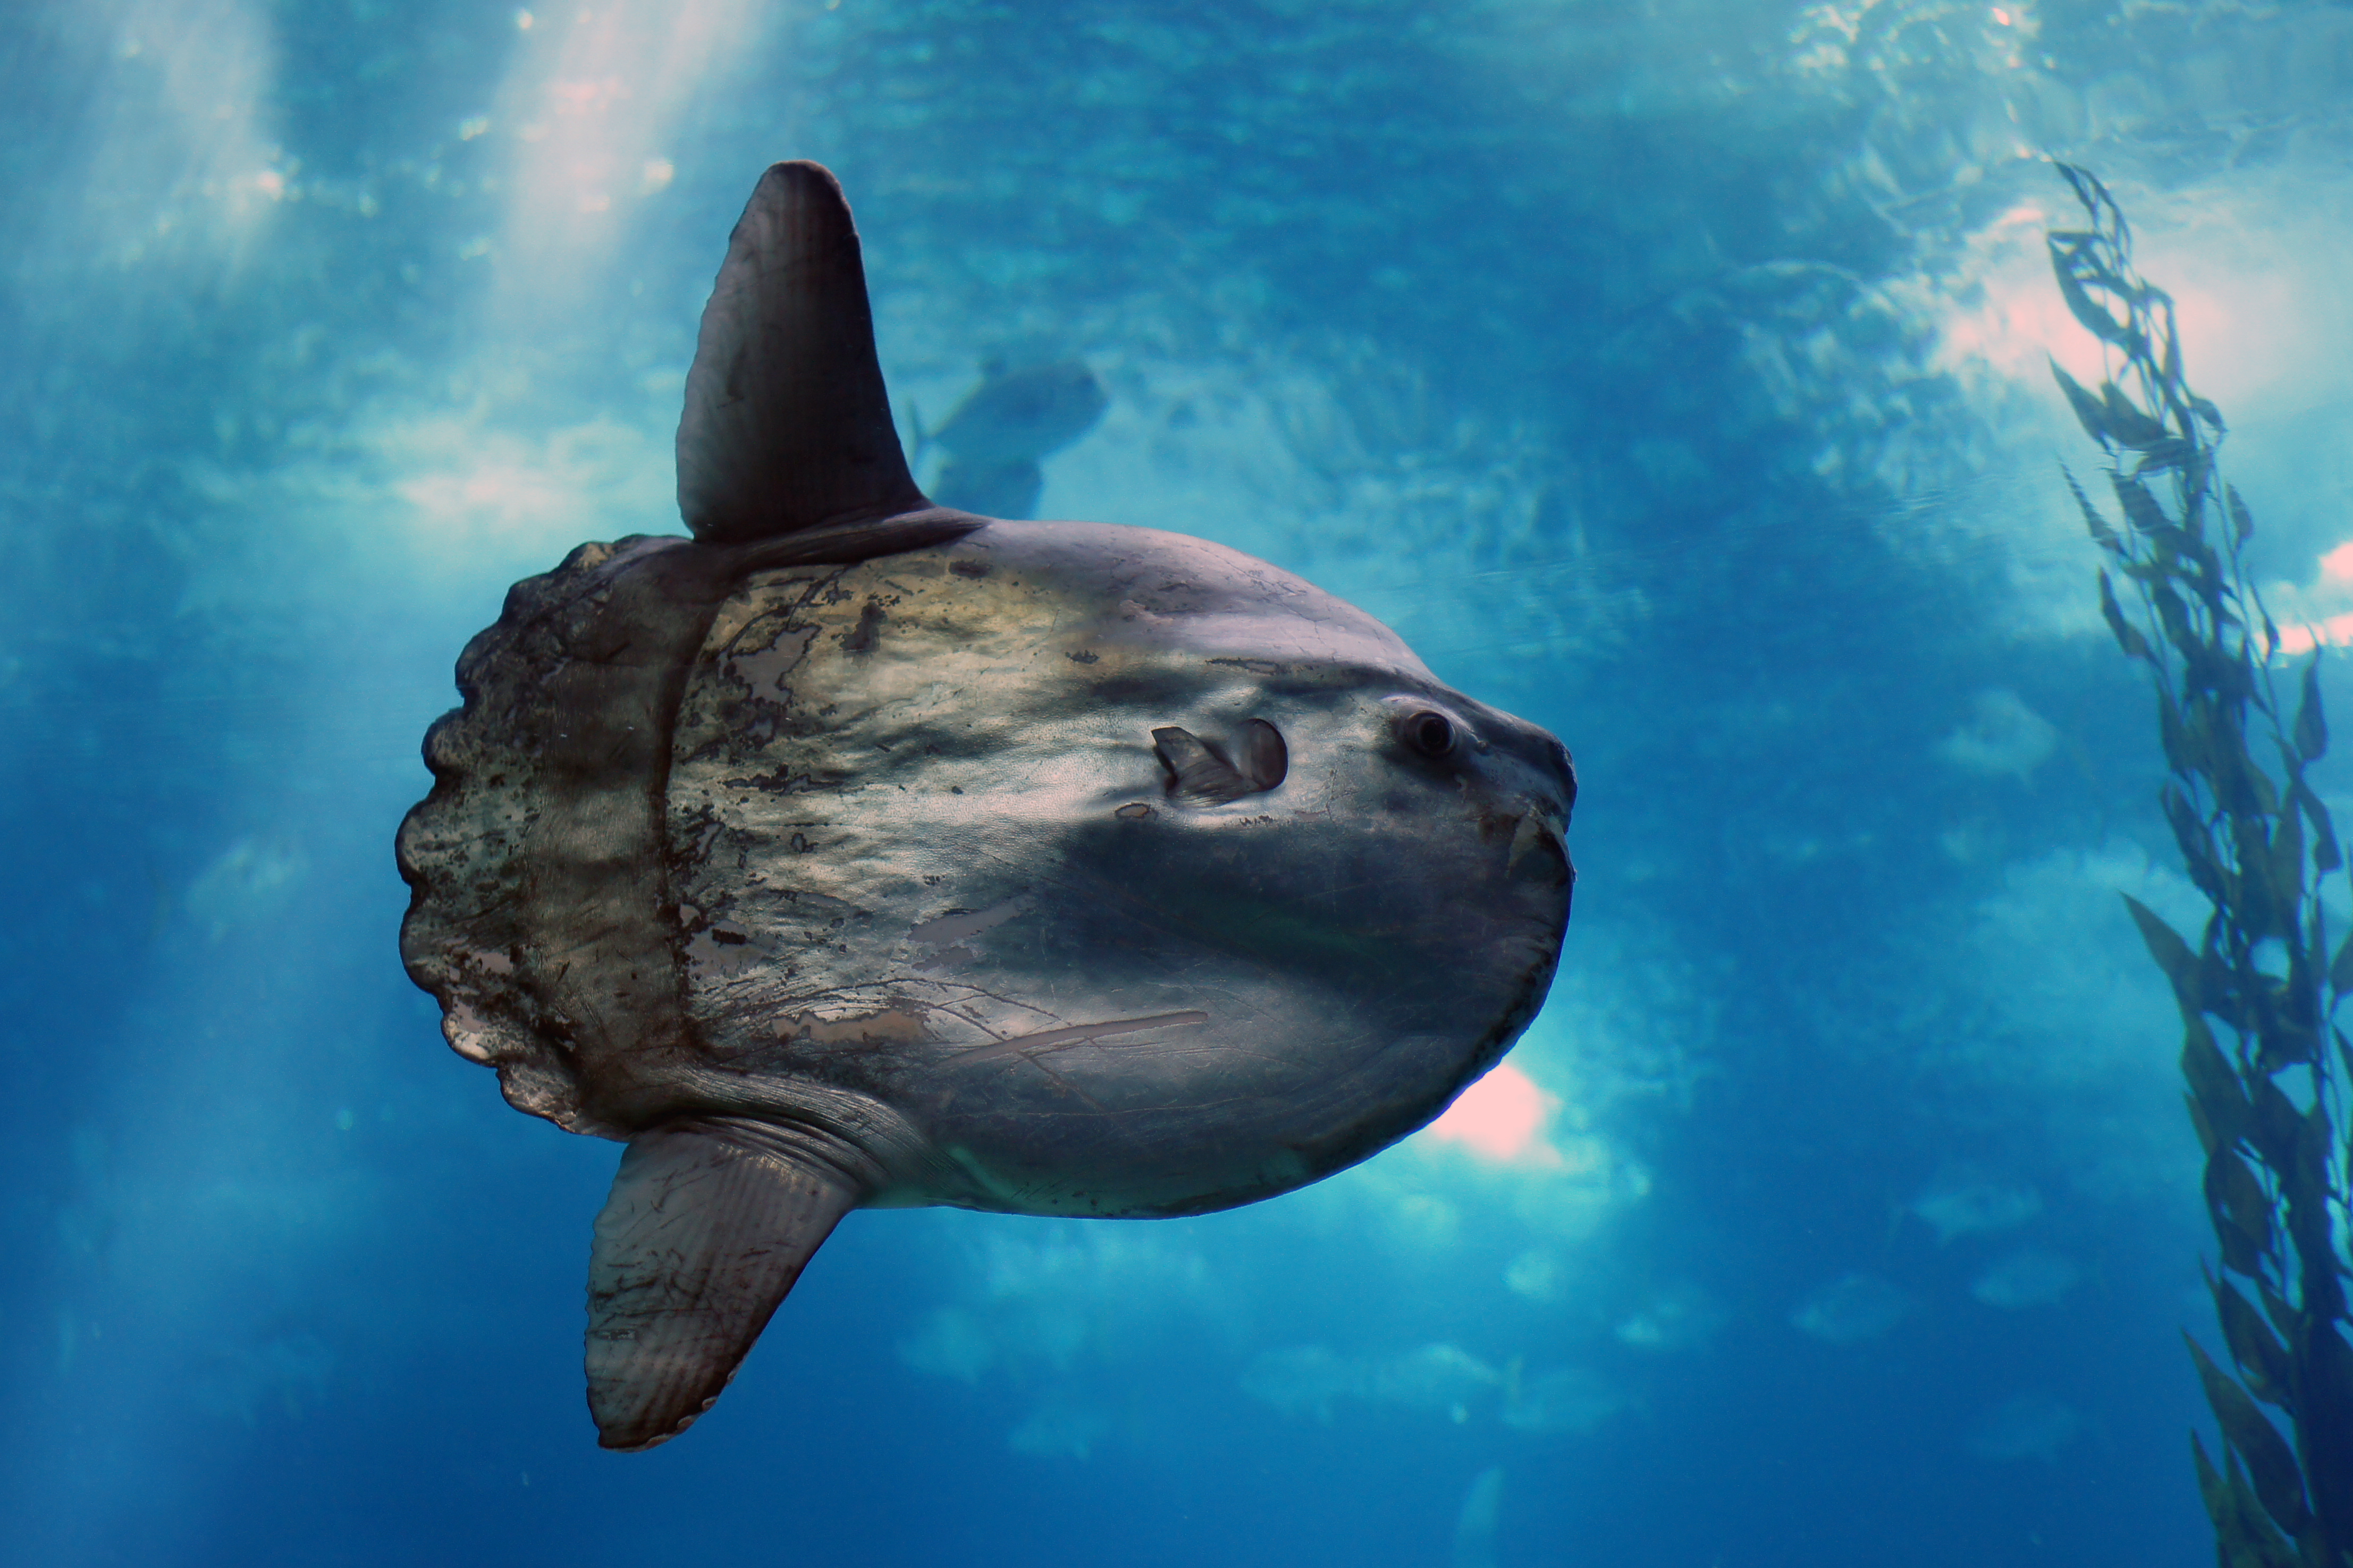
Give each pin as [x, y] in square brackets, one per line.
[2028, 1278]
[1474, 1527]
[1851, 1308]
[1965, 1201]
[993, 442]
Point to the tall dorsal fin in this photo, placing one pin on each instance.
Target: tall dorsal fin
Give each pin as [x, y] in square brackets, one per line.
[787, 426]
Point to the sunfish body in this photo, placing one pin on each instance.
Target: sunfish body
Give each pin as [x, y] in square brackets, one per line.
[858, 851]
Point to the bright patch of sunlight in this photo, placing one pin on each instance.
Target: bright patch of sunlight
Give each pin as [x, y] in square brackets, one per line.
[2246, 312]
[1500, 1117]
[472, 495]
[592, 100]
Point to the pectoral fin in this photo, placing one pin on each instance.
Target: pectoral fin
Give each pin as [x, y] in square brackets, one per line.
[1201, 773]
[1198, 773]
[706, 1230]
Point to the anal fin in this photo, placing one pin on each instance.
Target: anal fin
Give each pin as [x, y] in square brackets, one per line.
[708, 1226]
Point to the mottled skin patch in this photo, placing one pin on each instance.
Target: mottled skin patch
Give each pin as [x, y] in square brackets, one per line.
[962, 841]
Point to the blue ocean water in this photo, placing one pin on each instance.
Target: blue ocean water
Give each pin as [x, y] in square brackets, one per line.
[1674, 375]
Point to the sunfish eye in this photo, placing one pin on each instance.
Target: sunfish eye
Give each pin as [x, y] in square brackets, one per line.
[1429, 731]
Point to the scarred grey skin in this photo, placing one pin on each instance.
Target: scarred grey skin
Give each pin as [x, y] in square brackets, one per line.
[859, 852]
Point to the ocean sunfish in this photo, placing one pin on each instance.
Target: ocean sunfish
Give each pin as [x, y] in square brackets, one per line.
[1005, 427]
[858, 851]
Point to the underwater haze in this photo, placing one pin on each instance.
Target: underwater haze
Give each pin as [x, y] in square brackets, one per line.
[1674, 376]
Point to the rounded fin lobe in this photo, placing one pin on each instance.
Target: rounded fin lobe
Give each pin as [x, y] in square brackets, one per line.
[787, 424]
[1262, 755]
[1200, 773]
[703, 1235]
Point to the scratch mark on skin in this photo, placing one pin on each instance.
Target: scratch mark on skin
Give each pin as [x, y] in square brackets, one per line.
[964, 924]
[1218, 1053]
[1126, 1112]
[1077, 1034]
[1067, 1086]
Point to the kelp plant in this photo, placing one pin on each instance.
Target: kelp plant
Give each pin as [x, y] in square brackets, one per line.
[2267, 1069]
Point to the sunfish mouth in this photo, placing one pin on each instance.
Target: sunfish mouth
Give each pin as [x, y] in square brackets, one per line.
[1076, 1035]
[1539, 851]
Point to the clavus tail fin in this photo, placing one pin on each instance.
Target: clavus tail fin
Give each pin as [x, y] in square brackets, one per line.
[708, 1227]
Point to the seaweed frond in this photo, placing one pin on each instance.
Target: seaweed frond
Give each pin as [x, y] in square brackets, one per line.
[2265, 1065]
